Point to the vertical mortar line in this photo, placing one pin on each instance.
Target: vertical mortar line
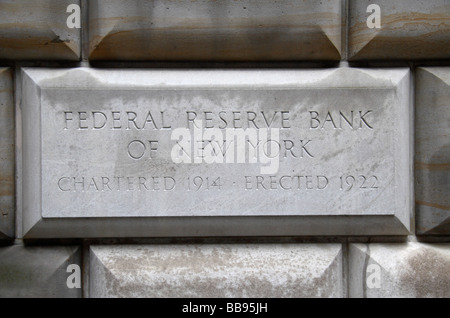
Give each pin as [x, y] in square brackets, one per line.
[344, 29]
[17, 86]
[345, 268]
[85, 268]
[412, 96]
[366, 263]
[84, 33]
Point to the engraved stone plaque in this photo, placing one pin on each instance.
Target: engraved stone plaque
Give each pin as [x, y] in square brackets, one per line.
[207, 30]
[6, 154]
[39, 30]
[141, 153]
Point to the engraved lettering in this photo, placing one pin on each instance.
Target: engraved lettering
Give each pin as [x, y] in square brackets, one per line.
[116, 120]
[252, 119]
[363, 120]
[149, 119]
[303, 146]
[97, 121]
[136, 149]
[82, 118]
[132, 120]
[285, 120]
[67, 119]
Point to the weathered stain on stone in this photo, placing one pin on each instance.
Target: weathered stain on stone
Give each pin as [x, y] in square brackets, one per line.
[432, 150]
[37, 30]
[404, 34]
[293, 35]
[218, 271]
[434, 205]
[426, 273]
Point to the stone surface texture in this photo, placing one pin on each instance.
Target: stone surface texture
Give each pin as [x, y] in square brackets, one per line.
[415, 270]
[37, 272]
[205, 30]
[191, 271]
[37, 30]
[71, 182]
[410, 30]
[7, 197]
[432, 150]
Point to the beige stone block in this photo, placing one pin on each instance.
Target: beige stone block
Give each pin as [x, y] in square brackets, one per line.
[227, 30]
[407, 270]
[37, 30]
[186, 271]
[410, 30]
[432, 150]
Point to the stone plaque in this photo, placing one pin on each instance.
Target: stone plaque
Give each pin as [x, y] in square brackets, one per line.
[402, 30]
[40, 30]
[123, 153]
[6, 155]
[208, 30]
[432, 150]
[407, 270]
[211, 271]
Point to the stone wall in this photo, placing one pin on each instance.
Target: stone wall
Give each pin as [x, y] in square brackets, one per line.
[224, 149]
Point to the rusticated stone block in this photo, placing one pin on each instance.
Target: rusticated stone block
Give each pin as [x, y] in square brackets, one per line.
[39, 272]
[432, 157]
[124, 153]
[207, 30]
[7, 203]
[38, 30]
[409, 30]
[399, 270]
[267, 270]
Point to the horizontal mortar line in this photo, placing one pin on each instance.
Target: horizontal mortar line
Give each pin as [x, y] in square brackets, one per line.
[237, 88]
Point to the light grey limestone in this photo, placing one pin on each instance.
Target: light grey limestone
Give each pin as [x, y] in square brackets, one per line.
[399, 270]
[410, 30]
[7, 212]
[37, 30]
[432, 150]
[82, 138]
[185, 271]
[38, 272]
[226, 30]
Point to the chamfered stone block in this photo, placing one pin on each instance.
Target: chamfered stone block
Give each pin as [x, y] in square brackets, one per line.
[409, 30]
[226, 30]
[185, 271]
[38, 272]
[432, 150]
[7, 204]
[38, 30]
[399, 270]
[148, 153]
